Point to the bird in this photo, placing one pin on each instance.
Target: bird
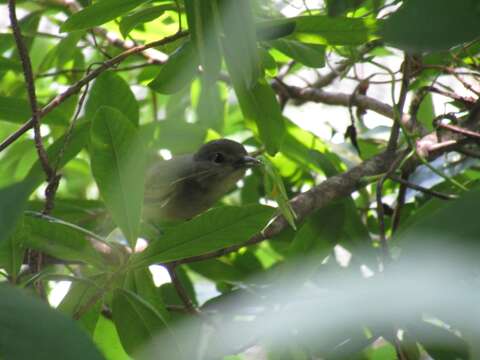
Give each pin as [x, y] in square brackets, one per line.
[188, 185]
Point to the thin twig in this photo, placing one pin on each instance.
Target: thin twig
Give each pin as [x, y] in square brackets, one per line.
[73, 89]
[30, 84]
[423, 189]
[182, 293]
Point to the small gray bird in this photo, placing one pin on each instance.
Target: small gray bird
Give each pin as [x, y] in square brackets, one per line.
[187, 185]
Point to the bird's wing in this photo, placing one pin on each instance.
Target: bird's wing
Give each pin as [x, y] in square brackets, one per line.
[162, 178]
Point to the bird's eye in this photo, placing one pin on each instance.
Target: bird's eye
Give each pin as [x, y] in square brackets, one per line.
[218, 158]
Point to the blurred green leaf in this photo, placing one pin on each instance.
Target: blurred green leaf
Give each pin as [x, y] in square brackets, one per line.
[17, 110]
[439, 342]
[311, 55]
[6, 64]
[67, 47]
[177, 72]
[271, 30]
[34, 336]
[140, 282]
[322, 29]
[211, 106]
[12, 251]
[260, 108]
[439, 24]
[426, 112]
[213, 230]
[56, 239]
[78, 296]
[118, 166]
[137, 321]
[106, 338]
[240, 43]
[13, 201]
[275, 189]
[99, 13]
[142, 16]
[203, 24]
[111, 90]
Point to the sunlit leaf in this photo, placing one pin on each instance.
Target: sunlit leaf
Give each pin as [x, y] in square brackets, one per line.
[98, 13]
[213, 230]
[177, 72]
[111, 90]
[34, 336]
[118, 165]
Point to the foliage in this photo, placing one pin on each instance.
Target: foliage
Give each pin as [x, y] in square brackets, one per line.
[341, 205]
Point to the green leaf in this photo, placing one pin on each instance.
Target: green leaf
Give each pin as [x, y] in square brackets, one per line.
[211, 106]
[7, 64]
[111, 90]
[17, 110]
[239, 42]
[262, 112]
[205, 32]
[426, 112]
[99, 13]
[178, 71]
[118, 166]
[60, 241]
[13, 201]
[311, 55]
[439, 24]
[78, 140]
[142, 16]
[137, 322]
[275, 189]
[321, 29]
[67, 47]
[12, 251]
[14, 197]
[40, 334]
[320, 232]
[78, 296]
[213, 230]
[274, 29]
[140, 282]
[439, 342]
[106, 338]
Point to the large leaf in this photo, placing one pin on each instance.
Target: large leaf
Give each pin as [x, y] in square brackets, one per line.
[8, 64]
[213, 230]
[12, 251]
[60, 241]
[240, 43]
[142, 16]
[118, 166]
[312, 55]
[17, 110]
[439, 342]
[177, 72]
[140, 282]
[13, 201]
[111, 90]
[205, 32]
[40, 334]
[439, 24]
[13, 198]
[260, 105]
[80, 295]
[106, 338]
[136, 320]
[321, 29]
[98, 13]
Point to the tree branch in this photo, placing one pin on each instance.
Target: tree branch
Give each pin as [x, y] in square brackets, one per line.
[73, 89]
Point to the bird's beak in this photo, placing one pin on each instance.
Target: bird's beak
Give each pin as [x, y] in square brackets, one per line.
[249, 161]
